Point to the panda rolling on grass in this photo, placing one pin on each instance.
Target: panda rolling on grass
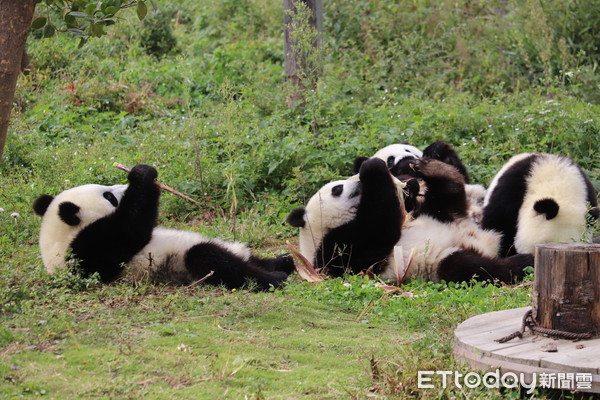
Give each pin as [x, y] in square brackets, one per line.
[111, 230]
[353, 226]
[538, 198]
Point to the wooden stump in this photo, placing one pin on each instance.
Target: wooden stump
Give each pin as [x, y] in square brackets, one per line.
[566, 290]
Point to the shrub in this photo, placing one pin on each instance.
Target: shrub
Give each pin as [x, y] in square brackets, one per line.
[157, 36]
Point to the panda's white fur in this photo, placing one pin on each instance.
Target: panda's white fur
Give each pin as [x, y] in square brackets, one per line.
[426, 242]
[166, 251]
[393, 153]
[545, 181]
[546, 177]
[56, 236]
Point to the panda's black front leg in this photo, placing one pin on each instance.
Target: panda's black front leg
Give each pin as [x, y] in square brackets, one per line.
[465, 265]
[445, 197]
[376, 230]
[107, 244]
[447, 154]
[138, 210]
[283, 263]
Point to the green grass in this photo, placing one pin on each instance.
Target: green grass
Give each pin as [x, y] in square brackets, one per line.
[321, 341]
[492, 78]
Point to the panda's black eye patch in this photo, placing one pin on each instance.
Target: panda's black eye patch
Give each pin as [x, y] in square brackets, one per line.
[111, 197]
[391, 161]
[337, 190]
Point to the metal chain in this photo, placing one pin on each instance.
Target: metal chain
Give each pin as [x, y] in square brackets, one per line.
[529, 322]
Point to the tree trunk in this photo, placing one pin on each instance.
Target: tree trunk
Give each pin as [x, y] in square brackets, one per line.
[292, 62]
[566, 290]
[15, 17]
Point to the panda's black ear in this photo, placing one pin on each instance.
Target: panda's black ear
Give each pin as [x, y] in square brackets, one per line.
[296, 218]
[68, 213]
[358, 162]
[41, 204]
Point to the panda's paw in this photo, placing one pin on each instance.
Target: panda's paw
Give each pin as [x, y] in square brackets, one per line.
[282, 263]
[432, 168]
[358, 161]
[373, 168]
[142, 173]
[518, 263]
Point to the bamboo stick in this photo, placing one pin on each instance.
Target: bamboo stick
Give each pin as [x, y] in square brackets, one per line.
[161, 185]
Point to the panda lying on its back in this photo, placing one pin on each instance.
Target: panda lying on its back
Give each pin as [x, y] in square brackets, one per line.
[351, 225]
[538, 198]
[111, 230]
[445, 241]
[354, 226]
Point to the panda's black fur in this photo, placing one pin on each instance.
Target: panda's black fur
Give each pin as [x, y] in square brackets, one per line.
[112, 232]
[445, 153]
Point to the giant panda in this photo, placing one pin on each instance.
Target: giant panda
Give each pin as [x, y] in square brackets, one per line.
[351, 226]
[111, 230]
[538, 198]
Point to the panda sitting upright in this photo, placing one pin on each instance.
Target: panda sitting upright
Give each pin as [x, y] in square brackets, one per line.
[111, 230]
[354, 226]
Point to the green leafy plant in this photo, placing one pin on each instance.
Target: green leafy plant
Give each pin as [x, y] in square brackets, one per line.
[157, 36]
[81, 18]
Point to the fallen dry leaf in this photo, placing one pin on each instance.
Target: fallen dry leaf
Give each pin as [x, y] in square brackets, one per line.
[303, 266]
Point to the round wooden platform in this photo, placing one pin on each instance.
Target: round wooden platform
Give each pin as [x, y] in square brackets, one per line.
[474, 342]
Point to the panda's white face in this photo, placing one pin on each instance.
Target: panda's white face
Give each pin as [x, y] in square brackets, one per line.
[394, 153]
[335, 204]
[68, 213]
